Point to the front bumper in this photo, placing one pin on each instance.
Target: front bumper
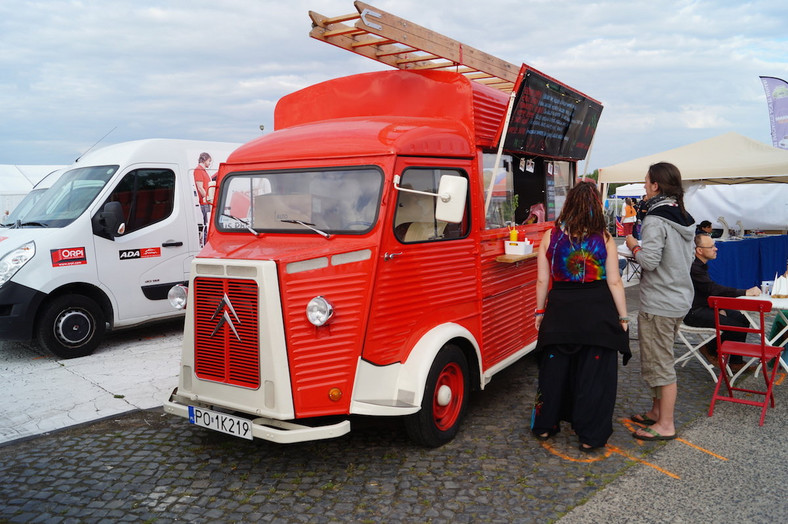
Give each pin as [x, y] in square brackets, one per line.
[18, 307]
[279, 431]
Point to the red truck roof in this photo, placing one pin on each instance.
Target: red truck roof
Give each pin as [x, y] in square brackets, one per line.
[406, 112]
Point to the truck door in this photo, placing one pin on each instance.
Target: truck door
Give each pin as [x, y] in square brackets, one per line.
[139, 266]
[427, 272]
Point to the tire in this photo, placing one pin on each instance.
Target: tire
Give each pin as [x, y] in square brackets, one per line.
[442, 409]
[71, 326]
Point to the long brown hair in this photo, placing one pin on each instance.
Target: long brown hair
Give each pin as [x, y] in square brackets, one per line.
[582, 214]
[668, 178]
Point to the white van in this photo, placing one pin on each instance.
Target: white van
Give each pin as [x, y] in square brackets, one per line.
[101, 247]
[31, 198]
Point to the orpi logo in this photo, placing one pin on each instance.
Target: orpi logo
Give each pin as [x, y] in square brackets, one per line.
[223, 312]
[69, 256]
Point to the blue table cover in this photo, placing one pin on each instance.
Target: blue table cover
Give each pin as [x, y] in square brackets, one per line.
[748, 262]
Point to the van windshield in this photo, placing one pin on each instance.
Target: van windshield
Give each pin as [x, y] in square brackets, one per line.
[68, 198]
[336, 201]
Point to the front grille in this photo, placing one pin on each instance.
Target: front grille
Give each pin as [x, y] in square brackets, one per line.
[226, 340]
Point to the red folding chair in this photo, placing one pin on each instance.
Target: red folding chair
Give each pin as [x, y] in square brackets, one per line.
[747, 350]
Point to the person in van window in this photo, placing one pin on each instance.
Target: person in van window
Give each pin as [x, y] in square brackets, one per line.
[582, 323]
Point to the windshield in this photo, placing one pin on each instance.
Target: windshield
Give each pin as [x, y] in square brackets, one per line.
[68, 198]
[331, 201]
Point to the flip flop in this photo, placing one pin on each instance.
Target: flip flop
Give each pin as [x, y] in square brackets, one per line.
[642, 418]
[654, 435]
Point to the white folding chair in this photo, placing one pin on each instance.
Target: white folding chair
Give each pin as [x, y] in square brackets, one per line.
[705, 335]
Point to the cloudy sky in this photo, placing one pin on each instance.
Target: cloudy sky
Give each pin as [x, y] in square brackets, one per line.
[668, 73]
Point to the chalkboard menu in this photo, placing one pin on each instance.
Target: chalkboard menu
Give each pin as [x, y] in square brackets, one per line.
[550, 119]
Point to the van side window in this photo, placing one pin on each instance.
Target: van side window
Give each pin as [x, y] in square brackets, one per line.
[146, 195]
[414, 219]
[525, 190]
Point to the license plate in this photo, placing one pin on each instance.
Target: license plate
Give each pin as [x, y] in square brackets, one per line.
[222, 422]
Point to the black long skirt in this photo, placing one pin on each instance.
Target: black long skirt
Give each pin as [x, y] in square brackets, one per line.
[579, 341]
[577, 384]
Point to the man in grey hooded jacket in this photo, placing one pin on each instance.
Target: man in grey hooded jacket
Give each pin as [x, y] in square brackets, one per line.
[666, 293]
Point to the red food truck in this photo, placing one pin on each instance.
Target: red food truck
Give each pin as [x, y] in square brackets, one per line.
[355, 263]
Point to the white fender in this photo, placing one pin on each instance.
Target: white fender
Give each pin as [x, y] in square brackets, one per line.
[397, 389]
[413, 375]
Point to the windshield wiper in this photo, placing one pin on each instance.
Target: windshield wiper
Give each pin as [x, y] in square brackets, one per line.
[306, 225]
[242, 221]
[22, 224]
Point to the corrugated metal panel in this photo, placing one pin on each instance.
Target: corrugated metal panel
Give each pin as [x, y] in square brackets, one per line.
[427, 285]
[325, 357]
[489, 109]
[226, 341]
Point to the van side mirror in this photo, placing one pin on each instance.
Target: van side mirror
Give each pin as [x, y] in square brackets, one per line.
[108, 222]
[451, 196]
[452, 193]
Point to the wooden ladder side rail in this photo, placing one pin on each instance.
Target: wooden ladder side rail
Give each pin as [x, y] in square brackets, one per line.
[391, 40]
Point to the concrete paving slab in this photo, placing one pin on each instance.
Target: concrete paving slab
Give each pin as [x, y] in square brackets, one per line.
[132, 369]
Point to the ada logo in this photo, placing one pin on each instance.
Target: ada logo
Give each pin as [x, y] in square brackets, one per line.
[147, 252]
[70, 256]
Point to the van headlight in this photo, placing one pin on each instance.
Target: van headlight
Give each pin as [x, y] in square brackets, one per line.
[13, 261]
[178, 296]
[319, 311]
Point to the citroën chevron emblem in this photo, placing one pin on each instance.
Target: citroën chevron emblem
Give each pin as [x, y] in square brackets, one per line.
[223, 310]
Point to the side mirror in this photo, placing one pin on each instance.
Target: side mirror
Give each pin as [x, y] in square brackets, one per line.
[108, 222]
[452, 193]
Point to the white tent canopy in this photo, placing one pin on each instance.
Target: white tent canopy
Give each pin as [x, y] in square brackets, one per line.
[726, 159]
[631, 190]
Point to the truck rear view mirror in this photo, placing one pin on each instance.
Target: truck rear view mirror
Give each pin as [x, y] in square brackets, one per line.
[451, 195]
[450, 204]
[108, 222]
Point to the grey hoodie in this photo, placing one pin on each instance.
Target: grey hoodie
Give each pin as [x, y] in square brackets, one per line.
[666, 258]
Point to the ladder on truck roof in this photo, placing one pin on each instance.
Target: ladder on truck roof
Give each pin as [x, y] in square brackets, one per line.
[402, 44]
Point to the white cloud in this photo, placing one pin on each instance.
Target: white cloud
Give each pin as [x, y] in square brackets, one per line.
[668, 73]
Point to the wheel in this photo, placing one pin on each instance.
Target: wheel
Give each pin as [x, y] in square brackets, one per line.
[445, 398]
[71, 326]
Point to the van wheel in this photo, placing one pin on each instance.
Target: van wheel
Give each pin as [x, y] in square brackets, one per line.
[444, 402]
[71, 326]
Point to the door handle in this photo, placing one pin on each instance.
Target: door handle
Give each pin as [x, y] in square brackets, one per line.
[172, 243]
[390, 256]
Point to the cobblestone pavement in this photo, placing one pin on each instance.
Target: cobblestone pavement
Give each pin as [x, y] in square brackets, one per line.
[147, 466]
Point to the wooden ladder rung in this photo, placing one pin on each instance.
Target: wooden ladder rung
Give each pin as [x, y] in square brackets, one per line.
[344, 30]
[340, 19]
[373, 41]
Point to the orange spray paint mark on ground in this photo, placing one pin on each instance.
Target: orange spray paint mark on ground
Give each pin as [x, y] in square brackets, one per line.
[636, 459]
[599, 455]
[690, 444]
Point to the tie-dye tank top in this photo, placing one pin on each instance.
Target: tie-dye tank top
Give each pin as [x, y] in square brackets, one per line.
[575, 260]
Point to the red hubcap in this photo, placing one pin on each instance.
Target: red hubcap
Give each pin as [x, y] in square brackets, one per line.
[446, 416]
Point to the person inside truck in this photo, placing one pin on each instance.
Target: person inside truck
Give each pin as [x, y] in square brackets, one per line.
[578, 365]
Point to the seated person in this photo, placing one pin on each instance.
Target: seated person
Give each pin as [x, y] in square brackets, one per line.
[704, 228]
[701, 315]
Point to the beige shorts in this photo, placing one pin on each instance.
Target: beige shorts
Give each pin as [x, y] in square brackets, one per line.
[656, 335]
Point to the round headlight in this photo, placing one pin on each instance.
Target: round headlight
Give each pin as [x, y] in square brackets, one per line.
[319, 311]
[178, 296]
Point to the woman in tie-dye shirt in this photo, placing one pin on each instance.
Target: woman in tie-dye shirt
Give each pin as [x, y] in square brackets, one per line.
[582, 322]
